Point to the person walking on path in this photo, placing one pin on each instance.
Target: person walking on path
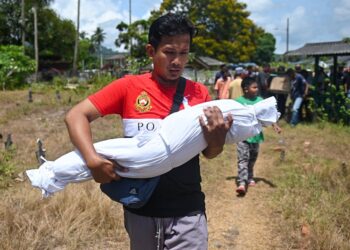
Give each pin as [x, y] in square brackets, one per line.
[174, 216]
[248, 150]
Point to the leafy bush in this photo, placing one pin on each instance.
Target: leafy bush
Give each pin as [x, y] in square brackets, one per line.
[14, 66]
[331, 104]
[59, 81]
[6, 168]
[98, 81]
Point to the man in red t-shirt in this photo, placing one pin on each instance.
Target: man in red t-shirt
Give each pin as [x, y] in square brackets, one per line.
[174, 217]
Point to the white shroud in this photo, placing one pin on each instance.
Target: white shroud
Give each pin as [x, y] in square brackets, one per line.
[179, 139]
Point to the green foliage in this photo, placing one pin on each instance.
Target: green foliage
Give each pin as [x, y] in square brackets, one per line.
[56, 35]
[224, 30]
[59, 81]
[6, 167]
[138, 32]
[14, 66]
[346, 39]
[265, 49]
[331, 104]
[135, 65]
[98, 37]
[98, 81]
[86, 57]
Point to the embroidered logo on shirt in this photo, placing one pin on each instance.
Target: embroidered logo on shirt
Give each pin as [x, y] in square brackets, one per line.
[143, 102]
[133, 191]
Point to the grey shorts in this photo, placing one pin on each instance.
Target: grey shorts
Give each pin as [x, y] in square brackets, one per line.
[153, 233]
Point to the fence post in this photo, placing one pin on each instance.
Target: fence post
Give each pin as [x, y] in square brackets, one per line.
[40, 153]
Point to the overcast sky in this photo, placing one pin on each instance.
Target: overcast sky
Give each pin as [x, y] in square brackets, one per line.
[309, 20]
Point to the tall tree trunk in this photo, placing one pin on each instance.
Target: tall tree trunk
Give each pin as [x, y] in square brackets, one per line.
[76, 47]
[101, 57]
[36, 43]
[23, 23]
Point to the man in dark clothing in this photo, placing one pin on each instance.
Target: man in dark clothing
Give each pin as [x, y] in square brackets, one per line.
[299, 89]
[262, 80]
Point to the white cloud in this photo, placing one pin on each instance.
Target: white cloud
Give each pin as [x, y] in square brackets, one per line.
[105, 14]
[310, 21]
[342, 10]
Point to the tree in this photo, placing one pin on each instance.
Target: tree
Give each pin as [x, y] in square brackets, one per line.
[265, 49]
[98, 37]
[56, 37]
[12, 24]
[224, 29]
[86, 53]
[14, 66]
[138, 33]
[346, 39]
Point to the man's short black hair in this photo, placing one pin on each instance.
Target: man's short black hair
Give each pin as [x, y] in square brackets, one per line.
[170, 24]
[247, 81]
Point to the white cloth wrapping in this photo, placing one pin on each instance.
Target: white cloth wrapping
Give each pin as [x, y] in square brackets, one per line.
[179, 139]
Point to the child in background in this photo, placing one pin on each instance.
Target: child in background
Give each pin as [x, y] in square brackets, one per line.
[248, 150]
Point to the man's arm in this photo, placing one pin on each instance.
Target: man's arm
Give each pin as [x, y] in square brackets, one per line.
[215, 131]
[78, 121]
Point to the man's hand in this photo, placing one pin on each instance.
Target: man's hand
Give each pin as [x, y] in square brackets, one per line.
[103, 171]
[215, 130]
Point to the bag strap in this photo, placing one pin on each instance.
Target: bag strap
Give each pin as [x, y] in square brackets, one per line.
[179, 95]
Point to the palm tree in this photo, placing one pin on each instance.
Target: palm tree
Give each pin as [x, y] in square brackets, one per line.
[83, 35]
[76, 47]
[97, 38]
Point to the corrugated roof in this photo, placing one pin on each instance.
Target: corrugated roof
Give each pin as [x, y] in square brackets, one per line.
[208, 61]
[322, 49]
[116, 57]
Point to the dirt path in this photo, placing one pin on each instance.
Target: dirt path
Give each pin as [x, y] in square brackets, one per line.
[247, 222]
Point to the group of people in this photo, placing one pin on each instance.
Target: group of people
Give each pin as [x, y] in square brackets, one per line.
[174, 216]
[297, 88]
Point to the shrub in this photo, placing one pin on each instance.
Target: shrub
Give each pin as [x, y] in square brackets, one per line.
[14, 66]
[6, 167]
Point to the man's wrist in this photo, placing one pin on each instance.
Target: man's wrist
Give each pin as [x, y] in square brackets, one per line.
[93, 161]
[212, 151]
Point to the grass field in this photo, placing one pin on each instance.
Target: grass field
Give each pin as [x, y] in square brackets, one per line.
[306, 201]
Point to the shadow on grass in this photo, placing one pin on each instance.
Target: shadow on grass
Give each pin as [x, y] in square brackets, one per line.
[257, 180]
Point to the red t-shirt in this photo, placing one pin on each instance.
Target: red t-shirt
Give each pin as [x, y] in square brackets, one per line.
[142, 103]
